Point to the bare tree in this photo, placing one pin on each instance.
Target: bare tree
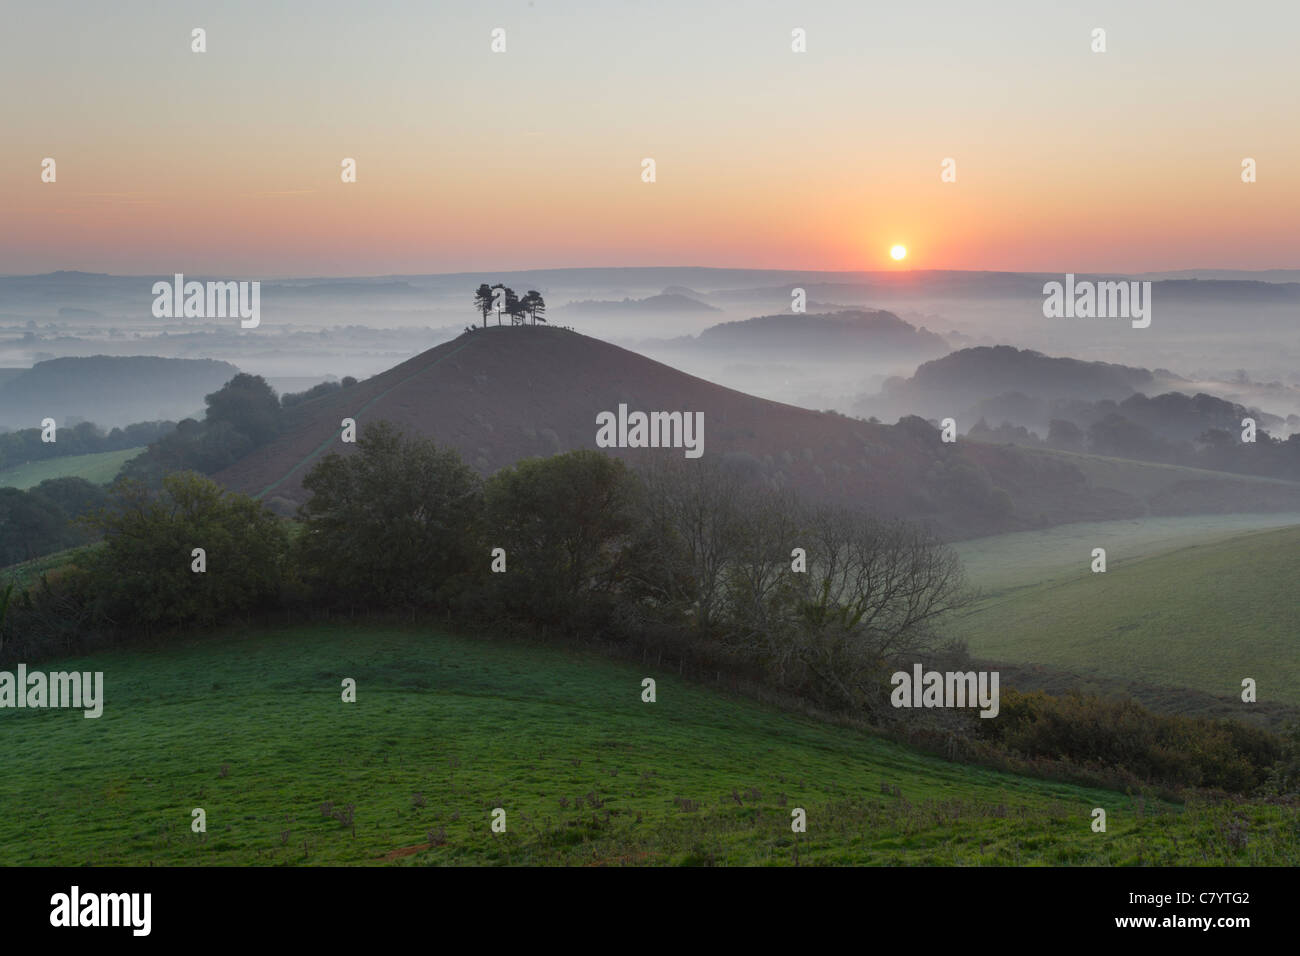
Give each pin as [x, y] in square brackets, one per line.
[873, 593]
[721, 559]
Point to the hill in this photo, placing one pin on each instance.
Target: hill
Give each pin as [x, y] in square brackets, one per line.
[957, 382]
[664, 302]
[250, 727]
[850, 335]
[501, 394]
[1201, 616]
[110, 390]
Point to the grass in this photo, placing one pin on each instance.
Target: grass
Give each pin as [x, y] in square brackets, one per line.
[1143, 478]
[28, 573]
[1201, 616]
[1003, 562]
[100, 468]
[250, 727]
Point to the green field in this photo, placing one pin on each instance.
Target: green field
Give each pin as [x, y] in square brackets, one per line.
[1026, 558]
[99, 468]
[250, 727]
[1199, 615]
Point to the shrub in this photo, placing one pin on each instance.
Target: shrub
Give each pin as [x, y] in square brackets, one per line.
[143, 578]
[565, 523]
[389, 525]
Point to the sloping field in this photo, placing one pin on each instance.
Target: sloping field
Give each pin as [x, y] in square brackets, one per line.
[1149, 477]
[1202, 615]
[1028, 558]
[250, 728]
[99, 468]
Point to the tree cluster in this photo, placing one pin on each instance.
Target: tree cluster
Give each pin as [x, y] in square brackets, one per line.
[242, 415]
[84, 438]
[504, 301]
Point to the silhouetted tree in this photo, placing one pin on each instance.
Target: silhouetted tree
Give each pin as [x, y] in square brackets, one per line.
[483, 301]
[535, 305]
[501, 304]
[514, 307]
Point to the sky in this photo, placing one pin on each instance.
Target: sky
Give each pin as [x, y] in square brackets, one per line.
[228, 162]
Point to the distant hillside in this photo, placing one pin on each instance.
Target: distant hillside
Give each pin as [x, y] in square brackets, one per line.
[668, 302]
[973, 371]
[961, 380]
[847, 335]
[686, 291]
[1171, 415]
[501, 394]
[110, 390]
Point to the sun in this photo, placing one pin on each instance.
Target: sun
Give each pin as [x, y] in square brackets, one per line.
[899, 252]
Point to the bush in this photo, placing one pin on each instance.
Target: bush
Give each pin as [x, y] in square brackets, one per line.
[1121, 735]
[389, 525]
[142, 576]
[565, 523]
[31, 525]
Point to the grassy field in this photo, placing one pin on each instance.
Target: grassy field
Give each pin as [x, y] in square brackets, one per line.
[100, 468]
[28, 573]
[250, 727]
[1144, 477]
[1028, 558]
[1199, 615]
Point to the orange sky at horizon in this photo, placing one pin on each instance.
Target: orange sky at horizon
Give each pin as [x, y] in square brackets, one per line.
[1120, 162]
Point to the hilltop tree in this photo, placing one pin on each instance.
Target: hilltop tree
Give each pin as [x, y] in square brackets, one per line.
[504, 300]
[483, 301]
[534, 305]
[514, 307]
[503, 303]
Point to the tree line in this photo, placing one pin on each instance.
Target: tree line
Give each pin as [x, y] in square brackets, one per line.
[84, 438]
[1199, 431]
[682, 560]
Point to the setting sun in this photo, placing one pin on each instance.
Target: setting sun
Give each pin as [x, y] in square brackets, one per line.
[898, 252]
